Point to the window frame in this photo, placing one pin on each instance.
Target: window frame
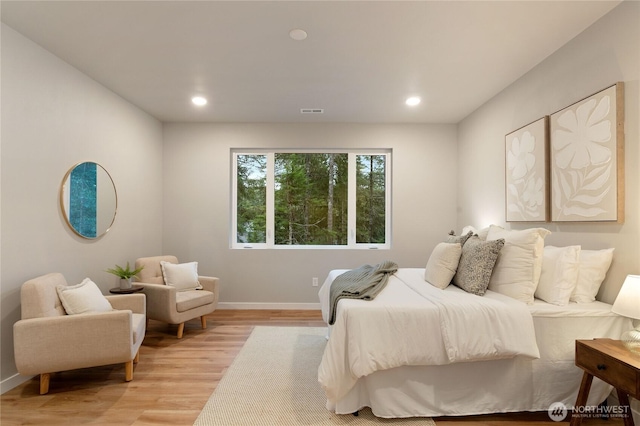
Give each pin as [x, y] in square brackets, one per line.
[270, 199]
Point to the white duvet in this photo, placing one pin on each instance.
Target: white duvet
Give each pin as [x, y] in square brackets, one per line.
[414, 323]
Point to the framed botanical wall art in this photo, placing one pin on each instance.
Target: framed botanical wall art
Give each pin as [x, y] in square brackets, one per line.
[587, 159]
[527, 174]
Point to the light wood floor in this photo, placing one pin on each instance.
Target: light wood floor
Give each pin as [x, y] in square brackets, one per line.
[175, 378]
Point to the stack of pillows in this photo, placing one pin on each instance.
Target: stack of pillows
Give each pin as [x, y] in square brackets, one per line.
[519, 265]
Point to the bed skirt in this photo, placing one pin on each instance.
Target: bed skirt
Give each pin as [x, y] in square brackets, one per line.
[499, 386]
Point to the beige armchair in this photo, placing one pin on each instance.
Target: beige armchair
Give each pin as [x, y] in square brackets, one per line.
[47, 340]
[167, 304]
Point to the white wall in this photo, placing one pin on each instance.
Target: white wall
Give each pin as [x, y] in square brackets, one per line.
[605, 53]
[197, 202]
[53, 117]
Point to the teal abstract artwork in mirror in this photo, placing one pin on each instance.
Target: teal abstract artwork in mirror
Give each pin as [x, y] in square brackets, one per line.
[83, 197]
[88, 200]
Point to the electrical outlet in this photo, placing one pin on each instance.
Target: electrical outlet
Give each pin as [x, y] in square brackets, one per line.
[314, 281]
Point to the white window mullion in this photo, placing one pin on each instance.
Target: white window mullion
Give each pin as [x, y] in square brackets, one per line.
[351, 192]
[270, 199]
[234, 203]
[387, 199]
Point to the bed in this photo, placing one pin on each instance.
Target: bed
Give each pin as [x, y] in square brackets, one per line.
[391, 355]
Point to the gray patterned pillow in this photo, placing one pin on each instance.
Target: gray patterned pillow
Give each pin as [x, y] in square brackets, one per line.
[461, 239]
[476, 264]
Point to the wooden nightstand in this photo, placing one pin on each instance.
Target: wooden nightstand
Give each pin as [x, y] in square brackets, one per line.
[611, 362]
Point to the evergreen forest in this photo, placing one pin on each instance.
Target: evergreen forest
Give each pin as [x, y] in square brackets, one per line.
[310, 198]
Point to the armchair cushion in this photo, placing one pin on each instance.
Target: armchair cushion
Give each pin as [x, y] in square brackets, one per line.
[191, 299]
[183, 276]
[138, 325]
[136, 303]
[83, 298]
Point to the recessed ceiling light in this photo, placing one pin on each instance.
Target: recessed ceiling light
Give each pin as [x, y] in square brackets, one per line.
[412, 101]
[298, 34]
[199, 101]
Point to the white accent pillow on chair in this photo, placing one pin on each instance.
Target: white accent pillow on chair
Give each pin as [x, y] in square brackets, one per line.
[83, 298]
[182, 276]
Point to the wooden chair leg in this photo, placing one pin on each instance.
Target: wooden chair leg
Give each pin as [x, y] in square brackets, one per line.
[180, 330]
[128, 371]
[203, 320]
[44, 383]
[137, 357]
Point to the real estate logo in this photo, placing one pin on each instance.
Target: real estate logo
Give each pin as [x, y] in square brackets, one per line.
[557, 411]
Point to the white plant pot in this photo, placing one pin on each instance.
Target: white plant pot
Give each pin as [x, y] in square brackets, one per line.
[125, 283]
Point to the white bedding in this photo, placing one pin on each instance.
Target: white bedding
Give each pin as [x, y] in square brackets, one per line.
[413, 323]
[520, 383]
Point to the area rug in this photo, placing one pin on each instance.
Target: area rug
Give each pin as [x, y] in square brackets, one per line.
[274, 381]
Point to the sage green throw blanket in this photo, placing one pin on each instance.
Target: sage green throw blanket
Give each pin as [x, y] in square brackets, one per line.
[363, 283]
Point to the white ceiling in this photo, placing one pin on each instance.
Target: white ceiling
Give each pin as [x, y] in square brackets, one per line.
[360, 61]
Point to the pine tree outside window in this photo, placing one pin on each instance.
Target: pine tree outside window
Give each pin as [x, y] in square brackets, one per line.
[311, 199]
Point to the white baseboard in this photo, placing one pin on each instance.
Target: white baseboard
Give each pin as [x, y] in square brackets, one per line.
[283, 306]
[14, 381]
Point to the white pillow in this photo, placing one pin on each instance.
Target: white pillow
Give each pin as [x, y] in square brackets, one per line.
[442, 264]
[559, 275]
[468, 229]
[594, 265]
[517, 270]
[482, 233]
[183, 276]
[83, 298]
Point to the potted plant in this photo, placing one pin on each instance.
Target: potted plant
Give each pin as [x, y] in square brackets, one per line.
[125, 274]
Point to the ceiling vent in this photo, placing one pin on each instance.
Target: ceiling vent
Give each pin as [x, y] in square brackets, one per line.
[311, 111]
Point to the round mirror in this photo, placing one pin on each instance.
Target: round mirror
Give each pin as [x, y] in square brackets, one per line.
[88, 200]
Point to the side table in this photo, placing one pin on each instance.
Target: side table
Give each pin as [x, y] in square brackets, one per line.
[610, 361]
[133, 289]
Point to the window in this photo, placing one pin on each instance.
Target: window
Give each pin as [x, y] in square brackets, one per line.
[313, 199]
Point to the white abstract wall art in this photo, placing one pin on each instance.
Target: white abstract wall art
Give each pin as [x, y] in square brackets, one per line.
[527, 174]
[587, 159]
